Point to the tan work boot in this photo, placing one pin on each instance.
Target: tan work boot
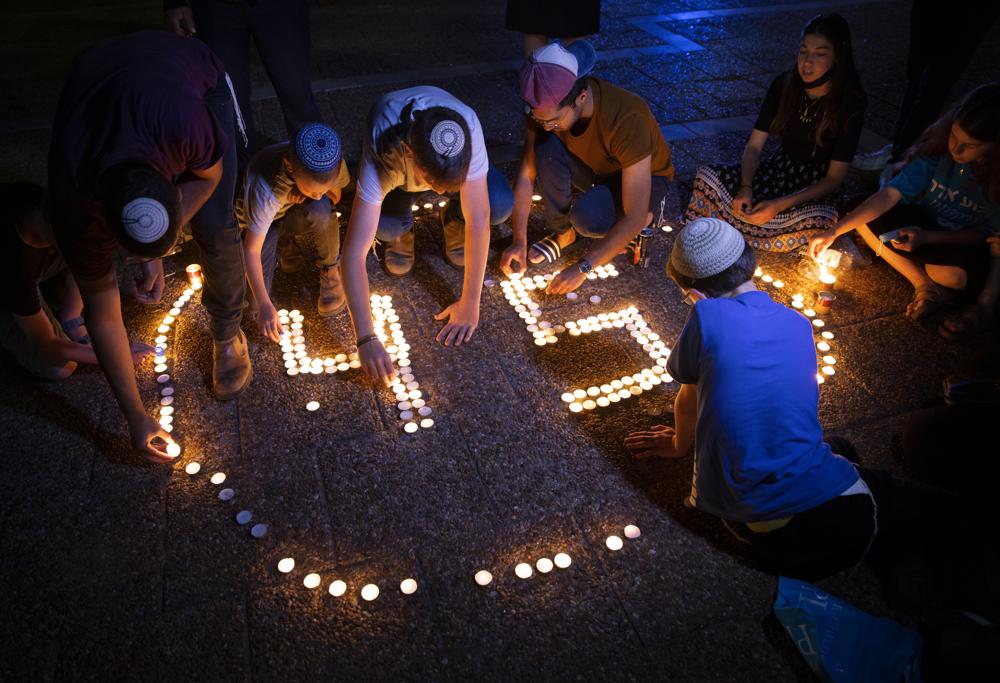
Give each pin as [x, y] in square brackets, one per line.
[397, 255]
[231, 371]
[332, 298]
[454, 239]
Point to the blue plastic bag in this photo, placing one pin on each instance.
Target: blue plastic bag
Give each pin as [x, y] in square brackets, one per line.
[842, 643]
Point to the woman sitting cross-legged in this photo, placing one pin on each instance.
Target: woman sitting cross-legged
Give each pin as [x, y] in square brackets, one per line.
[817, 110]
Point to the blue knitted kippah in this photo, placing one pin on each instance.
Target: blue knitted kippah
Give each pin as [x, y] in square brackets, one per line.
[318, 147]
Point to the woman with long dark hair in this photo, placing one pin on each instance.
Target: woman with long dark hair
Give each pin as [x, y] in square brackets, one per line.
[932, 221]
[817, 110]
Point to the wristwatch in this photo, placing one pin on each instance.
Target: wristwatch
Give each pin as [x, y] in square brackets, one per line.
[584, 266]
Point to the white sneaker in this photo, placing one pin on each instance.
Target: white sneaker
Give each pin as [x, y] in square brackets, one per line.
[873, 161]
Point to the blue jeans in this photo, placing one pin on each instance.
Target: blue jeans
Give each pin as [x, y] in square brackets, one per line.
[599, 207]
[317, 217]
[396, 218]
[215, 230]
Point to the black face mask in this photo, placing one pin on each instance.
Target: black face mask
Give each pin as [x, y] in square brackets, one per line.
[822, 80]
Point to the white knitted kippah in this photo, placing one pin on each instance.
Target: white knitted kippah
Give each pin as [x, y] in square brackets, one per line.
[145, 219]
[706, 247]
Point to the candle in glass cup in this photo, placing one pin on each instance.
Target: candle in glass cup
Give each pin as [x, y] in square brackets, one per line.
[195, 276]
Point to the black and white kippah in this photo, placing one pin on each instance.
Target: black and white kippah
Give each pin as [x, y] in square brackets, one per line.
[447, 138]
[318, 147]
[145, 219]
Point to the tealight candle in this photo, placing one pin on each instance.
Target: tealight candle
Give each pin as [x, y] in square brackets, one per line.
[369, 592]
[218, 478]
[632, 531]
[243, 516]
[595, 299]
[827, 335]
[312, 405]
[614, 543]
[259, 531]
[163, 329]
[311, 581]
[544, 565]
[338, 588]
[767, 278]
[408, 586]
[536, 197]
[226, 494]
[483, 577]
[828, 370]
[410, 427]
[829, 360]
[193, 468]
[427, 423]
[523, 570]
[286, 565]
[562, 560]
[823, 346]
[173, 449]
[415, 207]
[575, 407]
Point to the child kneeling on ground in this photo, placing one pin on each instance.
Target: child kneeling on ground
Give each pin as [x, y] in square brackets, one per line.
[298, 184]
[748, 401]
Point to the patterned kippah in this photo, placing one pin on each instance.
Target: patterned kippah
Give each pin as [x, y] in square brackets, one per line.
[447, 138]
[145, 220]
[706, 247]
[318, 147]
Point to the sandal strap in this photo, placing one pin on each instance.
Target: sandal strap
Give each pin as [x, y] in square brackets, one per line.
[548, 247]
[71, 324]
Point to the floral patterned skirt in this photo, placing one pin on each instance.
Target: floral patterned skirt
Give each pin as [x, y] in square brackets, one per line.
[715, 187]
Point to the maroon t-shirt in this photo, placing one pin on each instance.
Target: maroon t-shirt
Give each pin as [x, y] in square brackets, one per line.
[140, 97]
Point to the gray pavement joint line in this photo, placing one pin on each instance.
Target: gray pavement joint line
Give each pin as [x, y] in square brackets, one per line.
[670, 38]
[494, 503]
[328, 511]
[695, 15]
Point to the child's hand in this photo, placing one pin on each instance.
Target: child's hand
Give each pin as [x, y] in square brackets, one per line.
[743, 201]
[764, 211]
[376, 362]
[820, 242]
[909, 239]
[657, 442]
[139, 350]
[149, 288]
[267, 321]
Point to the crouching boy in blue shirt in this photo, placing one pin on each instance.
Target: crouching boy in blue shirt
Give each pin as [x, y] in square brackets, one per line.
[748, 401]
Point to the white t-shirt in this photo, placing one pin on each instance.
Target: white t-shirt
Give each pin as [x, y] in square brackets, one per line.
[387, 113]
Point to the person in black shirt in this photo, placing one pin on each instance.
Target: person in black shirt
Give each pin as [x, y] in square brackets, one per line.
[817, 110]
[45, 343]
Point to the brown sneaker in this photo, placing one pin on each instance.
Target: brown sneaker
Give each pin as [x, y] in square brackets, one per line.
[454, 239]
[397, 255]
[231, 371]
[332, 298]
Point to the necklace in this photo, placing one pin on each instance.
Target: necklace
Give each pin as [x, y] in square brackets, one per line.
[809, 108]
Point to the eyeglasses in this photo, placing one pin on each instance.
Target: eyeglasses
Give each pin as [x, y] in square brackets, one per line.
[547, 124]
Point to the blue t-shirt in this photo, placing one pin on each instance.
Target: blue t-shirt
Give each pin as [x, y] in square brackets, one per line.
[948, 191]
[759, 450]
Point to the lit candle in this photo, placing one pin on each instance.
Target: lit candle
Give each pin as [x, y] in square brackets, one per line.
[173, 449]
[828, 370]
[408, 586]
[632, 531]
[369, 592]
[767, 278]
[575, 407]
[193, 468]
[544, 565]
[338, 588]
[536, 197]
[218, 478]
[614, 543]
[523, 570]
[483, 577]
[827, 335]
[410, 427]
[311, 581]
[823, 346]
[562, 560]
[427, 423]
[312, 405]
[829, 360]
[286, 565]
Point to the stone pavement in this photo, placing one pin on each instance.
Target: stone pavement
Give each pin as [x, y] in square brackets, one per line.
[112, 569]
